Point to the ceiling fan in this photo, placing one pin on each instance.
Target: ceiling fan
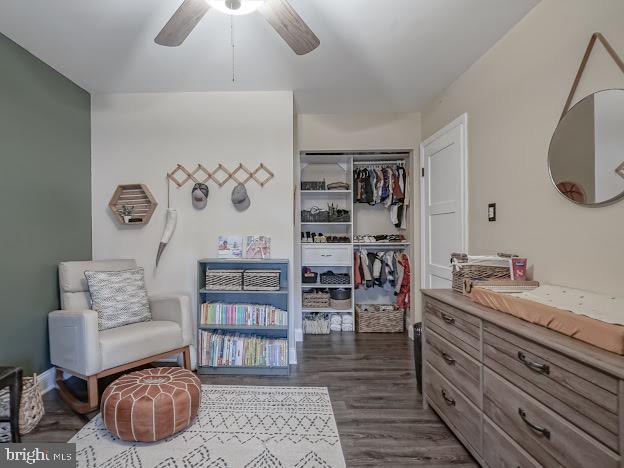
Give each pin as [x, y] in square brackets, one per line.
[279, 13]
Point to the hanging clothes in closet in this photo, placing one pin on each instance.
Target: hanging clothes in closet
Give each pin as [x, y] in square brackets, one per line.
[389, 270]
[385, 184]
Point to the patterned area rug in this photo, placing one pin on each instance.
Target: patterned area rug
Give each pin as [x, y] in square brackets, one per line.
[237, 426]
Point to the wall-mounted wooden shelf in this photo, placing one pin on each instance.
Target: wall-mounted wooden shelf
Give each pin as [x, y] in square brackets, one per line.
[137, 196]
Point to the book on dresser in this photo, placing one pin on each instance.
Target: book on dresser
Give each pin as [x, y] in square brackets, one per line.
[519, 394]
[242, 331]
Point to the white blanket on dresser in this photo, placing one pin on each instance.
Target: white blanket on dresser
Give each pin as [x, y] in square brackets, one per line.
[606, 308]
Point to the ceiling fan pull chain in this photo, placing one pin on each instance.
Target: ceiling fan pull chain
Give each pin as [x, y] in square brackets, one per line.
[232, 41]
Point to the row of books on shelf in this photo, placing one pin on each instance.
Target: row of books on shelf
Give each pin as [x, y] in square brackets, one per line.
[242, 314]
[236, 350]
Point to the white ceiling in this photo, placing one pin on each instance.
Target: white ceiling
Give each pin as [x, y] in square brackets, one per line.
[375, 55]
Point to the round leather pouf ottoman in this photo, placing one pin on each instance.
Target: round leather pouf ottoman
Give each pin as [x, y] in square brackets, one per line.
[151, 404]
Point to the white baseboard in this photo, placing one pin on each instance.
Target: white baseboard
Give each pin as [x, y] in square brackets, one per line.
[47, 379]
[298, 334]
[292, 356]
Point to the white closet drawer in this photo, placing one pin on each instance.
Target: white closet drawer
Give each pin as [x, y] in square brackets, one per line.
[329, 255]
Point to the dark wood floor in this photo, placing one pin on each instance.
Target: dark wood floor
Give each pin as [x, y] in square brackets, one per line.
[373, 390]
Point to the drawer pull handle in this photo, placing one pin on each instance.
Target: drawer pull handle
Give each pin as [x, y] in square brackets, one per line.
[449, 401]
[449, 360]
[536, 366]
[448, 319]
[542, 430]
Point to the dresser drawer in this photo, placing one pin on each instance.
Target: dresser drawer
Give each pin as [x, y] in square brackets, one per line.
[500, 451]
[459, 368]
[550, 439]
[459, 328]
[581, 394]
[326, 255]
[463, 417]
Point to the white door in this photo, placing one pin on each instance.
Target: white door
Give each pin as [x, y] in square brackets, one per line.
[444, 200]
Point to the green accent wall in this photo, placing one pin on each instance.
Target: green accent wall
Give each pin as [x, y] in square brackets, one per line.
[45, 188]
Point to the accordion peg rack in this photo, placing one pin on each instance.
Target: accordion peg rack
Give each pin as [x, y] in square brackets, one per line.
[221, 175]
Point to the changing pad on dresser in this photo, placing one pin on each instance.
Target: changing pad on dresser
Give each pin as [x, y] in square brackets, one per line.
[593, 318]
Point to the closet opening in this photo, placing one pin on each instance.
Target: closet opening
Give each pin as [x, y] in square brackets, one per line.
[354, 216]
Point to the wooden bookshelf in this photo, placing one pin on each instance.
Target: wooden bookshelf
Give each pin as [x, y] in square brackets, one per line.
[279, 299]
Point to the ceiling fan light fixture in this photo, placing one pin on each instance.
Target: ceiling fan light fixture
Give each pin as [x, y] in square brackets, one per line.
[236, 7]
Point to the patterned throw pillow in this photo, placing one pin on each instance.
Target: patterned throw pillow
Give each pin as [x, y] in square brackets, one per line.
[118, 297]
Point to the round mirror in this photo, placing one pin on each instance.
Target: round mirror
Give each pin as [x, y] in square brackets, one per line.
[586, 155]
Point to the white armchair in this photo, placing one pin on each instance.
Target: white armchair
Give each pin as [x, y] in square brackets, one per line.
[79, 348]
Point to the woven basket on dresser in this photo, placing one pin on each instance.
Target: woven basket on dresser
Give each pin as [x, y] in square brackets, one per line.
[477, 272]
[226, 280]
[315, 300]
[261, 280]
[31, 408]
[378, 318]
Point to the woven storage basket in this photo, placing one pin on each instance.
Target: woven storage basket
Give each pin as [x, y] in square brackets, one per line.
[339, 216]
[309, 277]
[340, 304]
[31, 408]
[316, 300]
[329, 277]
[226, 280]
[477, 272]
[312, 185]
[314, 215]
[316, 325]
[261, 280]
[378, 318]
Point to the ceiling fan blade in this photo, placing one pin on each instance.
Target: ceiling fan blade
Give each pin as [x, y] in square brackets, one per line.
[288, 24]
[182, 23]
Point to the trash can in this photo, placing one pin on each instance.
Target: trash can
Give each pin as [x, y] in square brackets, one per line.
[418, 354]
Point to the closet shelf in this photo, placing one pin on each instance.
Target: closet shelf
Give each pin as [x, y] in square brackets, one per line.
[325, 244]
[326, 286]
[317, 192]
[385, 245]
[334, 224]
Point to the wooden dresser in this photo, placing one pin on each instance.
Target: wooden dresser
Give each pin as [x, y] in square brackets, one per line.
[517, 394]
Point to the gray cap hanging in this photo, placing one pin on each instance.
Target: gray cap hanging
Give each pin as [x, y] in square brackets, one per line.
[199, 195]
[240, 199]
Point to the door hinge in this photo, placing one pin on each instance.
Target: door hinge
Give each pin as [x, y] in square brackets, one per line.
[422, 172]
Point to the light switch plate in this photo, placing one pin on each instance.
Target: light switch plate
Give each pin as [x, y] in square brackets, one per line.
[492, 212]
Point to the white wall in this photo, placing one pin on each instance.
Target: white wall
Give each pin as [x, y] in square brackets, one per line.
[137, 138]
[376, 131]
[357, 131]
[514, 96]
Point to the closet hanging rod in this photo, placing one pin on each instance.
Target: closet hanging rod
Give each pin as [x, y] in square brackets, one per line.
[399, 162]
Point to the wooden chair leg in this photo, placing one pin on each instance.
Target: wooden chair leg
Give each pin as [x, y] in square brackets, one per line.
[92, 391]
[74, 403]
[187, 357]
